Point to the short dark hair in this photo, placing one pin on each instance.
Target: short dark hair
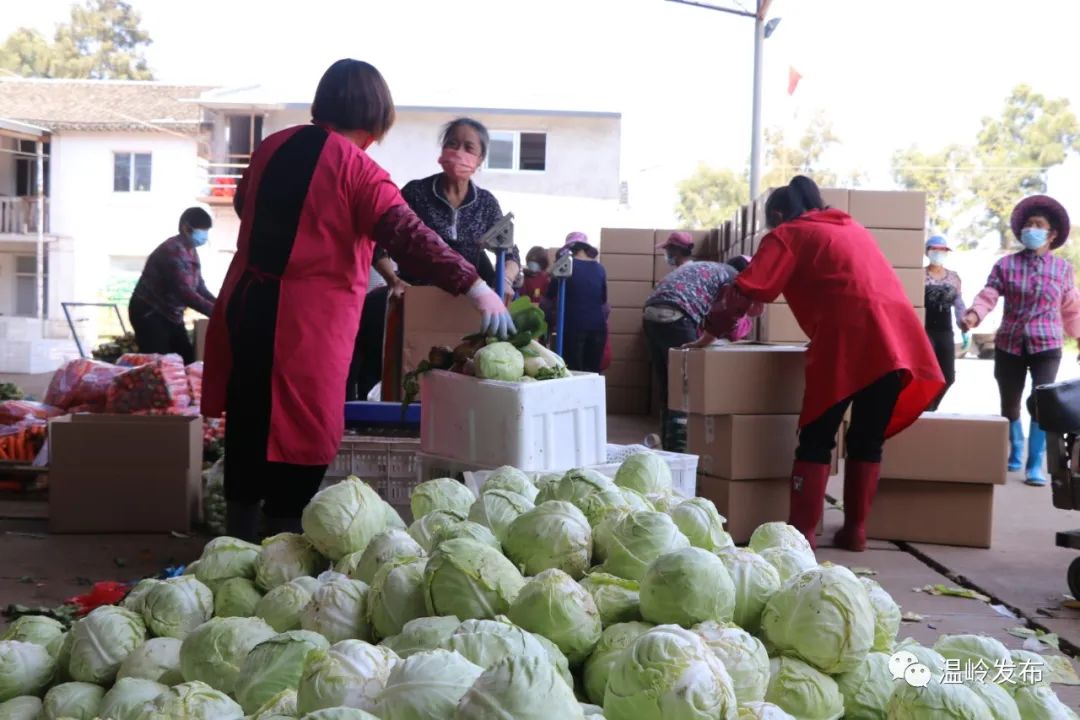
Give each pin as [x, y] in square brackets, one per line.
[538, 255]
[738, 263]
[450, 127]
[680, 250]
[352, 95]
[799, 196]
[196, 218]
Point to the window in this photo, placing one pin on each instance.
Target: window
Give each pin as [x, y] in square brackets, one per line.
[131, 172]
[26, 285]
[26, 168]
[522, 151]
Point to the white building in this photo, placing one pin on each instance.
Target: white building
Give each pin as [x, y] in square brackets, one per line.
[123, 160]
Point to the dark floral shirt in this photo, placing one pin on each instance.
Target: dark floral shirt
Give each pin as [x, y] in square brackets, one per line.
[462, 227]
[172, 281]
[943, 299]
[692, 288]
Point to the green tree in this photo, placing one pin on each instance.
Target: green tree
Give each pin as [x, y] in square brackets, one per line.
[103, 40]
[782, 160]
[944, 176]
[1014, 152]
[710, 197]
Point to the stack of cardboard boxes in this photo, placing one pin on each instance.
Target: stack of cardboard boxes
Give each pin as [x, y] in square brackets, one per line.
[744, 403]
[634, 267]
[937, 481]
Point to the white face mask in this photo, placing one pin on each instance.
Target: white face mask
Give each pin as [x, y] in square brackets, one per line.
[533, 266]
[937, 257]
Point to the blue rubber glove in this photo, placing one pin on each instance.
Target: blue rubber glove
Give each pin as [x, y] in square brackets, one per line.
[967, 341]
[497, 321]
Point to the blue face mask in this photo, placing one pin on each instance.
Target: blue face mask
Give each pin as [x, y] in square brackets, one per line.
[937, 257]
[199, 237]
[1033, 238]
[672, 261]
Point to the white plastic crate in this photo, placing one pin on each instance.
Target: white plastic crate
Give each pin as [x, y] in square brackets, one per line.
[683, 468]
[550, 425]
[387, 464]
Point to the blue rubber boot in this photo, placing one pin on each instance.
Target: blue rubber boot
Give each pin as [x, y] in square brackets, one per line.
[1036, 459]
[1016, 445]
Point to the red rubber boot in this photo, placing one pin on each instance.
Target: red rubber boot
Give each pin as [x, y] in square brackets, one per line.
[860, 486]
[808, 481]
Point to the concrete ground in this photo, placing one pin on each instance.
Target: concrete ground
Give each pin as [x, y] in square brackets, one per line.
[1023, 571]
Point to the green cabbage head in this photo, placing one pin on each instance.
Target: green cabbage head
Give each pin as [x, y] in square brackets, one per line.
[177, 606]
[101, 641]
[762, 711]
[383, 548]
[424, 530]
[499, 361]
[645, 472]
[343, 518]
[351, 673]
[1001, 703]
[702, 525]
[824, 617]
[274, 666]
[553, 605]
[973, 649]
[779, 534]
[236, 597]
[613, 641]
[686, 587]
[618, 600]
[788, 562]
[512, 479]
[72, 701]
[470, 580]
[25, 669]
[282, 607]
[635, 540]
[216, 650]
[157, 659]
[887, 616]
[668, 674]
[1041, 703]
[743, 656]
[192, 701]
[803, 691]
[495, 510]
[225, 558]
[523, 688]
[337, 609]
[553, 535]
[284, 557]
[867, 687]
[488, 642]
[24, 707]
[938, 701]
[755, 580]
[396, 596]
[37, 629]
[422, 634]
[467, 529]
[426, 685]
[440, 494]
[126, 699]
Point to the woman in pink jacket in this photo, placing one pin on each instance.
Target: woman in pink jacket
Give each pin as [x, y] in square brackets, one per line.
[1041, 306]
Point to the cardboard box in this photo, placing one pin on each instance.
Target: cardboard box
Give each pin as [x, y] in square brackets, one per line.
[902, 248]
[628, 241]
[433, 317]
[625, 320]
[914, 282]
[950, 448]
[746, 505]
[627, 267]
[124, 473]
[627, 400]
[942, 513]
[903, 210]
[630, 346]
[836, 198]
[628, 293]
[747, 447]
[201, 327]
[740, 379]
[778, 325]
[628, 373]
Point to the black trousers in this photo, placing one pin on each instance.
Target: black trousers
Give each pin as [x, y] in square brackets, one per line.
[155, 333]
[365, 371]
[661, 338]
[250, 478]
[583, 351]
[945, 350]
[1011, 371]
[871, 409]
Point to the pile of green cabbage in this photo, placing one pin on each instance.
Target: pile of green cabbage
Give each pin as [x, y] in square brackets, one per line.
[576, 596]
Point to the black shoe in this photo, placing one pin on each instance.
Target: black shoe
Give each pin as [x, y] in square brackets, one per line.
[242, 521]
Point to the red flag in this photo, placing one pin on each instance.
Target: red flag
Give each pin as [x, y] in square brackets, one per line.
[793, 78]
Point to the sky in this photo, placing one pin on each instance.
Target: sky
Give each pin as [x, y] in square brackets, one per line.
[888, 74]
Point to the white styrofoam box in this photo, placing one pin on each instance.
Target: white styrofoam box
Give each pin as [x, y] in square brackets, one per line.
[683, 468]
[550, 425]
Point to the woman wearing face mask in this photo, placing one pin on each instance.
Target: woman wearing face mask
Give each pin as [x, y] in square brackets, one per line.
[313, 206]
[171, 282]
[678, 249]
[867, 351]
[944, 309]
[536, 275]
[1041, 306]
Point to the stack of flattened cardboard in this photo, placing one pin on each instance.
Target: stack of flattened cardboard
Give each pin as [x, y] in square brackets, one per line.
[938, 478]
[744, 402]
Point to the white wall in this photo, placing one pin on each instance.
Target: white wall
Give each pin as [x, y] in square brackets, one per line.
[105, 223]
[582, 152]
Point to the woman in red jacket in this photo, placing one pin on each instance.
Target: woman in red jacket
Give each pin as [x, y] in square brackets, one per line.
[867, 347]
[313, 206]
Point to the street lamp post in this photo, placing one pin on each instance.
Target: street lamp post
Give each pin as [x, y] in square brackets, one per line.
[762, 30]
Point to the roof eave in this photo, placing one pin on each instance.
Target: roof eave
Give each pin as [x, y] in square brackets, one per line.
[21, 130]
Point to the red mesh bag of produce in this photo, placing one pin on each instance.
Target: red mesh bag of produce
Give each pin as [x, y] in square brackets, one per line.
[82, 383]
[12, 411]
[195, 376]
[134, 360]
[161, 385]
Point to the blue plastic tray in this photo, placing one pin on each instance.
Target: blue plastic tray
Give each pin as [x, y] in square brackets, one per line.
[378, 413]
